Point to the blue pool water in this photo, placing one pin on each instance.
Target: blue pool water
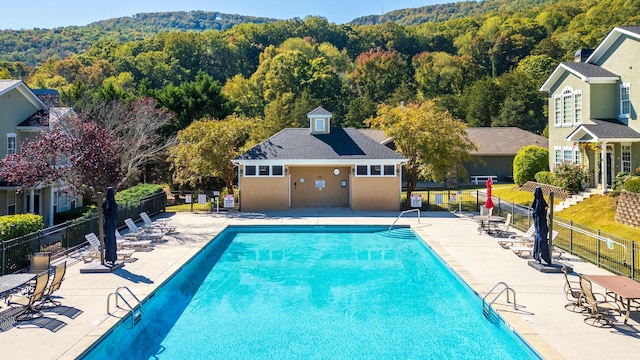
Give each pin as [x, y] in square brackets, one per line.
[301, 292]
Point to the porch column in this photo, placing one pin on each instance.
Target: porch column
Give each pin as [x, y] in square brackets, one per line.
[51, 205]
[603, 166]
[32, 195]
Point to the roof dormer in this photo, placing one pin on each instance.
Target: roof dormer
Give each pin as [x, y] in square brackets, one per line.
[319, 121]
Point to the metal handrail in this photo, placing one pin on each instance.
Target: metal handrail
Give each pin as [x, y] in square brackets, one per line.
[400, 215]
[506, 288]
[135, 316]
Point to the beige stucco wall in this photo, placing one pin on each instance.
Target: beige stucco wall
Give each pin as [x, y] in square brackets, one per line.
[264, 193]
[361, 193]
[620, 59]
[376, 193]
[308, 193]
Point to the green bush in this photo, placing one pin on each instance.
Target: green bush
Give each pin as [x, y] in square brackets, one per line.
[633, 185]
[545, 177]
[133, 195]
[569, 177]
[528, 162]
[13, 226]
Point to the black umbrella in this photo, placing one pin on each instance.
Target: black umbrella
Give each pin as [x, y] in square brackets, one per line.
[541, 243]
[110, 211]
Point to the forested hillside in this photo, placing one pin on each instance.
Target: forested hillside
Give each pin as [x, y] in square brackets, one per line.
[485, 67]
[34, 46]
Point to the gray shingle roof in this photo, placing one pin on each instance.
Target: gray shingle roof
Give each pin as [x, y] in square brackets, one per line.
[319, 111]
[300, 144]
[503, 140]
[633, 29]
[611, 129]
[589, 70]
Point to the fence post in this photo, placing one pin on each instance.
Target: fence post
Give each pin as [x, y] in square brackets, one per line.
[571, 236]
[4, 256]
[477, 200]
[633, 260]
[598, 249]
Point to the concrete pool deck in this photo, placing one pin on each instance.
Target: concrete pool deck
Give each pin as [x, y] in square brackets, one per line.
[65, 332]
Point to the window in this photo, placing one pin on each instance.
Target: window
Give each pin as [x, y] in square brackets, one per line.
[319, 124]
[567, 156]
[626, 158]
[277, 170]
[375, 170]
[263, 170]
[558, 157]
[625, 103]
[577, 107]
[11, 144]
[557, 111]
[567, 108]
[389, 170]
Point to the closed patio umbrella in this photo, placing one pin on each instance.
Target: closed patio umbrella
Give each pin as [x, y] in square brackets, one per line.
[489, 203]
[541, 243]
[110, 211]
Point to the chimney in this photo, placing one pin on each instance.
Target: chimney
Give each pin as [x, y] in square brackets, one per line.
[319, 120]
[582, 55]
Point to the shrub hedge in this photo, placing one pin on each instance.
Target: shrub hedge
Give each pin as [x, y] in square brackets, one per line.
[632, 185]
[13, 226]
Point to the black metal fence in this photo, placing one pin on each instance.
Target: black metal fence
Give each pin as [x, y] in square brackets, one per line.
[606, 250]
[67, 237]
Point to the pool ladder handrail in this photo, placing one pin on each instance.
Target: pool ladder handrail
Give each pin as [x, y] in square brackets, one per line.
[486, 306]
[136, 316]
[400, 215]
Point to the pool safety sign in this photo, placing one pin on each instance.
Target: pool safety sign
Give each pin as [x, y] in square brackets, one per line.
[416, 200]
[202, 199]
[229, 201]
[187, 198]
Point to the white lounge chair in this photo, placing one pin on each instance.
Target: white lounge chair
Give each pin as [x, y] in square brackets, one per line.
[527, 238]
[160, 225]
[131, 242]
[527, 250]
[94, 253]
[142, 234]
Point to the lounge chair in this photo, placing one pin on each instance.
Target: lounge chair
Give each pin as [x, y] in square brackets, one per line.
[160, 225]
[598, 309]
[573, 292]
[142, 234]
[527, 238]
[95, 248]
[131, 242]
[29, 300]
[58, 276]
[527, 250]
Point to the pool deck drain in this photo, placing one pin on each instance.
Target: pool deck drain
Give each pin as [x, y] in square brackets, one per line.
[540, 318]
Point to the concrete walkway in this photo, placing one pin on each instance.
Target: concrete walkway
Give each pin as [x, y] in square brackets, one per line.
[65, 332]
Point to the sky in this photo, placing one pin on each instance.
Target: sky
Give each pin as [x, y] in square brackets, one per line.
[47, 14]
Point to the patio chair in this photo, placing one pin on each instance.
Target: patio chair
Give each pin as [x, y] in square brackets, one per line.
[142, 234]
[504, 228]
[58, 276]
[527, 238]
[160, 225]
[28, 301]
[40, 261]
[94, 253]
[597, 309]
[573, 293]
[129, 241]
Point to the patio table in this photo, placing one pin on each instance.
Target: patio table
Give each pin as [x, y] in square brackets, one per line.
[622, 286]
[11, 282]
[488, 223]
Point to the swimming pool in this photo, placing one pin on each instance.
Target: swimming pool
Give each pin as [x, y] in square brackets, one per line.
[313, 292]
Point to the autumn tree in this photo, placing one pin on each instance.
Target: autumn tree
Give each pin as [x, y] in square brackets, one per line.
[435, 144]
[205, 149]
[81, 155]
